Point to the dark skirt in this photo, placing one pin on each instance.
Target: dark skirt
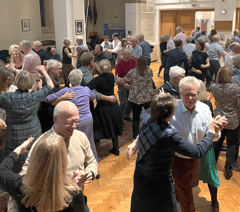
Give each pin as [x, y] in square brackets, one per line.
[66, 69]
[150, 194]
[107, 120]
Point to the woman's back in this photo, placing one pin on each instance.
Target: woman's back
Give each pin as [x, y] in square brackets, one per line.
[226, 96]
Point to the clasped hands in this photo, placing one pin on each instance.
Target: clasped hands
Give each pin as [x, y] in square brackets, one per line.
[218, 123]
[81, 177]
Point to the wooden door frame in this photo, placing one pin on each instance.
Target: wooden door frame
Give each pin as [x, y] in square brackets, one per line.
[185, 10]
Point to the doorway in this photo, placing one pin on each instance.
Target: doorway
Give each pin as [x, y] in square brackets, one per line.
[187, 19]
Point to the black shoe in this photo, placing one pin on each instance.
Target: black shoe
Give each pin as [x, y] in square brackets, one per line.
[124, 127]
[215, 206]
[128, 119]
[98, 175]
[115, 151]
[223, 148]
[235, 166]
[227, 173]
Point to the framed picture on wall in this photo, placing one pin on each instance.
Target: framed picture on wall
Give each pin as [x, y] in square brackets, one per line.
[79, 27]
[25, 25]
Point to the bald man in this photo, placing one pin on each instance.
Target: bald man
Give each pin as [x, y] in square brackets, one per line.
[37, 46]
[215, 51]
[122, 68]
[80, 156]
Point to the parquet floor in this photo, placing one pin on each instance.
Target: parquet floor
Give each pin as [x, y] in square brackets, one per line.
[112, 192]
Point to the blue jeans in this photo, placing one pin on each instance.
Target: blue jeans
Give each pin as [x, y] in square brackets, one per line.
[125, 106]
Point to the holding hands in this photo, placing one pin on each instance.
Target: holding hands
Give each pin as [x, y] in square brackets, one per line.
[81, 177]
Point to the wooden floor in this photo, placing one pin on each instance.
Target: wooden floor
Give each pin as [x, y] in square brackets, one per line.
[112, 192]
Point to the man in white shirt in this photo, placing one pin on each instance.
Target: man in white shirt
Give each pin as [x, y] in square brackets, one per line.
[116, 44]
[180, 35]
[235, 49]
[170, 43]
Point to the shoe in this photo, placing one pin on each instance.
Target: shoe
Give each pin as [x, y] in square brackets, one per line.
[223, 148]
[215, 206]
[124, 127]
[158, 75]
[227, 173]
[235, 166]
[128, 119]
[115, 151]
[98, 175]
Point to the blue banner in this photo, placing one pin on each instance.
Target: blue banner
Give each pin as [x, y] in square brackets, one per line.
[109, 29]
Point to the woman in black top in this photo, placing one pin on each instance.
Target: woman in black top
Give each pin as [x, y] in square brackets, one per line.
[106, 115]
[67, 60]
[45, 187]
[200, 61]
[45, 112]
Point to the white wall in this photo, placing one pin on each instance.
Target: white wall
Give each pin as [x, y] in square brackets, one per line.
[11, 14]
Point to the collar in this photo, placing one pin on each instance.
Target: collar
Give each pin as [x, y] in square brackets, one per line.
[64, 138]
[184, 109]
[172, 86]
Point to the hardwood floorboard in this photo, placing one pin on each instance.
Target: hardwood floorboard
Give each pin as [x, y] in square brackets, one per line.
[112, 192]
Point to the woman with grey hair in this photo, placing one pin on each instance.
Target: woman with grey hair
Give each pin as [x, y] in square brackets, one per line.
[21, 108]
[82, 96]
[45, 112]
[229, 40]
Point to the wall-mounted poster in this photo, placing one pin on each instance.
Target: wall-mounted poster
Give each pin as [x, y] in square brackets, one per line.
[109, 29]
[79, 27]
[25, 25]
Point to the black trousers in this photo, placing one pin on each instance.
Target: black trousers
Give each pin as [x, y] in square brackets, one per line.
[137, 109]
[232, 145]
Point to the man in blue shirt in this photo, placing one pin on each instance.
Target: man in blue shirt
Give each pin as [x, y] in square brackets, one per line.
[37, 46]
[145, 48]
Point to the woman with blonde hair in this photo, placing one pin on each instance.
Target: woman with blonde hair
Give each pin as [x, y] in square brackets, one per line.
[21, 108]
[227, 95]
[16, 58]
[45, 187]
[140, 91]
[67, 66]
[106, 115]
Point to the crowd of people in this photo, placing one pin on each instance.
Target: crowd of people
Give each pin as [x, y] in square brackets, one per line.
[49, 135]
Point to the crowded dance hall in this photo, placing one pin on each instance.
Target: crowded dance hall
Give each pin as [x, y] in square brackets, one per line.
[120, 106]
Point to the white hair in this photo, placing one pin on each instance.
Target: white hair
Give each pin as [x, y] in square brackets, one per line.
[141, 36]
[233, 45]
[188, 81]
[26, 44]
[53, 64]
[75, 77]
[236, 59]
[179, 28]
[176, 71]
[80, 38]
[37, 43]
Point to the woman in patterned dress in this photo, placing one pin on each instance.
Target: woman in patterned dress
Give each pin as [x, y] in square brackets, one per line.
[140, 91]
